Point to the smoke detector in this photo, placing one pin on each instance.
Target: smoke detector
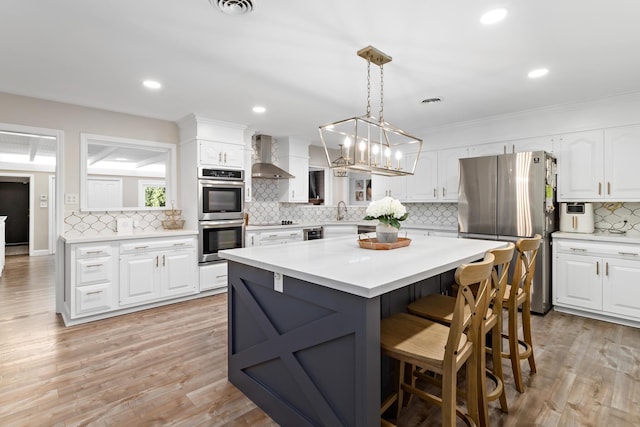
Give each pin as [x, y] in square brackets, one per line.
[234, 7]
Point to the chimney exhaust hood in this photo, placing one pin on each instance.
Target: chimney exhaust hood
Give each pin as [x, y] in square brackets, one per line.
[264, 168]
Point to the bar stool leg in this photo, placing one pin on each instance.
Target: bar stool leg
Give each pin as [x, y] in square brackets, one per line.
[513, 348]
[496, 354]
[526, 329]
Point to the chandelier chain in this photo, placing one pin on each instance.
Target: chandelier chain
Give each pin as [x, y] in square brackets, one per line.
[381, 93]
[369, 88]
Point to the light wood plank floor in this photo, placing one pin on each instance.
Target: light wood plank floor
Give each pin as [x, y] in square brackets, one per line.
[167, 367]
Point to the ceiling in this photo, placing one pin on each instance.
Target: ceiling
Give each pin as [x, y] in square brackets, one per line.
[298, 58]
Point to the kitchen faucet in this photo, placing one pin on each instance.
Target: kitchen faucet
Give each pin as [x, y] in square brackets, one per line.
[341, 217]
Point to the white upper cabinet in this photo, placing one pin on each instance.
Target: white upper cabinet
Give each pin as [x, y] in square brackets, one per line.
[621, 166]
[294, 158]
[423, 185]
[448, 170]
[542, 143]
[600, 165]
[581, 166]
[223, 154]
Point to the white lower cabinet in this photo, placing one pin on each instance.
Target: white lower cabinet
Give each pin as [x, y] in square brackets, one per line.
[103, 278]
[596, 279]
[213, 276]
[159, 269]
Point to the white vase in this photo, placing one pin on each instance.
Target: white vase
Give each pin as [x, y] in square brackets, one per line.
[386, 233]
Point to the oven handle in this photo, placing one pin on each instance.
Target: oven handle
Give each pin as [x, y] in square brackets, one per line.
[220, 223]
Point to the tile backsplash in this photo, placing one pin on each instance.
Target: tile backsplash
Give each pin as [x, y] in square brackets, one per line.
[612, 216]
[264, 210]
[97, 223]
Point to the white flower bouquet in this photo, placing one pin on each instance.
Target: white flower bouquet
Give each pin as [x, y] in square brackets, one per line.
[388, 211]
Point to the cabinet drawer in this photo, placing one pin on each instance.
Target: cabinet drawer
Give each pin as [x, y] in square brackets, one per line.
[93, 270]
[150, 245]
[213, 276]
[93, 251]
[94, 298]
[580, 247]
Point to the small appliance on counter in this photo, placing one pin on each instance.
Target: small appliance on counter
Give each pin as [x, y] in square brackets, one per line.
[576, 217]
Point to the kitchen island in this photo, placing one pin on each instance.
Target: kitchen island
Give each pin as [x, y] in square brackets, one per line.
[304, 321]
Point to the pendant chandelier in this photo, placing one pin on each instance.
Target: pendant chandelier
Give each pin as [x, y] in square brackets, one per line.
[368, 144]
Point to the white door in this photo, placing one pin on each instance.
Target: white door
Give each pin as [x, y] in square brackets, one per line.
[139, 279]
[104, 193]
[178, 272]
[622, 151]
[621, 287]
[578, 281]
[581, 166]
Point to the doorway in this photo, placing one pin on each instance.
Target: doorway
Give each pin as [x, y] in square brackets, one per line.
[15, 206]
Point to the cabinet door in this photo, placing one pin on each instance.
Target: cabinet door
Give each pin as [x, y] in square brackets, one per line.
[530, 144]
[211, 153]
[379, 187]
[491, 149]
[93, 299]
[295, 190]
[178, 273]
[448, 170]
[422, 186]
[581, 166]
[622, 151]
[621, 287]
[233, 156]
[251, 238]
[139, 279]
[578, 281]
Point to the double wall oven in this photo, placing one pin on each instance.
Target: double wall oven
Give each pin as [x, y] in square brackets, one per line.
[220, 212]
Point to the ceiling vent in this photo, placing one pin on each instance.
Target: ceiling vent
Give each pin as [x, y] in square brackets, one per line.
[431, 100]
[234, 7]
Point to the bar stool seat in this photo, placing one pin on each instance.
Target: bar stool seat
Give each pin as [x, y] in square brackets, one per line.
[520, 300]
[444, 350]
[439, 308]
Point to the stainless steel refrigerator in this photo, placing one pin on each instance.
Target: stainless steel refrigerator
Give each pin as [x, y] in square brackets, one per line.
[509, 196]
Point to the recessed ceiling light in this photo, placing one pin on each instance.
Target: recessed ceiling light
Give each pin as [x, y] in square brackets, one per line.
[152, 84]
[259, 109]
[534, 74]
[493, 16]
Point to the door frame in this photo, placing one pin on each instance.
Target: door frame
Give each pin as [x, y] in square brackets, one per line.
[53, 207]
[59, 172]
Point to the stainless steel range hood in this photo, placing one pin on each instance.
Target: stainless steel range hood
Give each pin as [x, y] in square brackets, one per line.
[264, 168]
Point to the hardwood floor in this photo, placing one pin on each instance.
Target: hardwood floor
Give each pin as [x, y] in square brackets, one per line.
[167, 367]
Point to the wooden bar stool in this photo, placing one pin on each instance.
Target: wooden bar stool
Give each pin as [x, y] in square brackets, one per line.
[439, 308]
[433, 347]
[518, 296]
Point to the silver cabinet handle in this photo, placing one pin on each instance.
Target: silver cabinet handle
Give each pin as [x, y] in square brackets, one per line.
[435, 192]
[179, 244]
[598, 268]
[164, 260]
[574, 221]
[252, 241]
[140, 247]
[627, 253]
[220, 157]
[225, 158]
[599, 188]
[221, 276]
[157, 256]
[578, 250]
[444, 191]
[95, 252]
[606, 268]
[609, 188]
[94, 265]
[94, 292]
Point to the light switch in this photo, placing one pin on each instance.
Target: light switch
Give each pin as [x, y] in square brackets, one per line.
[70, 198]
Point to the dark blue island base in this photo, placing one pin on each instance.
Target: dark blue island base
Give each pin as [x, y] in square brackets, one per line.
[310, 355]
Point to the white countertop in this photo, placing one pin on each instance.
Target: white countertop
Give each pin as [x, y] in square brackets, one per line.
[259, 227]
[127, 236]
[600, 236]
[340, 264]
[3, 218]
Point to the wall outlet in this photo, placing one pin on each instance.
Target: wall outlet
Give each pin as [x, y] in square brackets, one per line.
[70, 198]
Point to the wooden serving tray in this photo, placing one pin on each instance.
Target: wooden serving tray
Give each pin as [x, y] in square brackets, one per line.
[374, 244]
